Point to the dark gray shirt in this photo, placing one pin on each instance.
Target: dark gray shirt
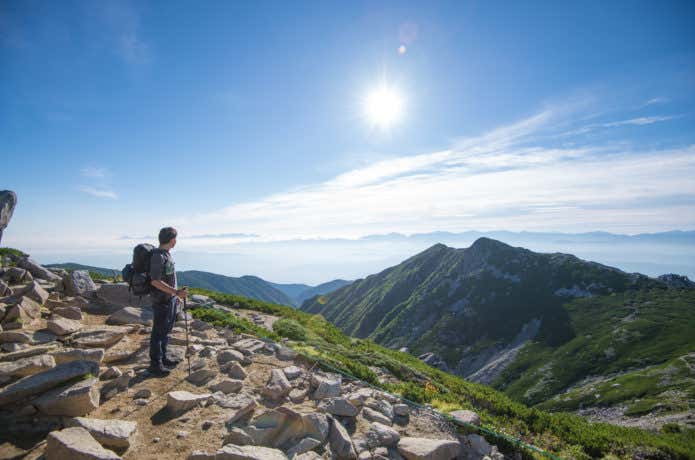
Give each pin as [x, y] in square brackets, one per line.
[162, 268]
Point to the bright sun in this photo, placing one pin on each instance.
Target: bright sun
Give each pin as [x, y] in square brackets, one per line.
[383, 106]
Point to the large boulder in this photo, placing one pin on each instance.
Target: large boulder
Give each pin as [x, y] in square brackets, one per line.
[227, 386]
[278, 386]
[383, 435]
[78, 282]
[26, 366]
[428, 449]
[241, 405]
[338, 406]
[8, 201]
[69, 312]
[75, 443]
[66, 355]
[26, 352]
[71, 400]
[341, 444]
[43, 381]
[17, 275]
[112, 433]
[465, 417]
[276, 427]
[326, 386]
[35, 292]
[4, 290]
[28, 337]
[131, 315]
[37, 270]
[117, 294]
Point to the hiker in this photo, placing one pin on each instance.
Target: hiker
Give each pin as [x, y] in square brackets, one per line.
[164, 296]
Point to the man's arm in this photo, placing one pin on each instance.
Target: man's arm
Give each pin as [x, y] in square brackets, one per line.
[156, 267]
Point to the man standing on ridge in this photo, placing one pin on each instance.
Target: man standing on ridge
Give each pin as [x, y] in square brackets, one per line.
[164, 299]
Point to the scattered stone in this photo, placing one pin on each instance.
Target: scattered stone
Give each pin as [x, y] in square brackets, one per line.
[182, 401]
[278, 386]
[234, 452]
[72, 400]
[338, 406]
[198, 364]
[227, 386]
[25, 351]
[206, 425]
[63, 326]
[228, 355]
[201, 377]
[112, 433]
[69, 312]
[141, 402]
[182, 434]
[156, 440]
[111, 373]
[78, 282]
[341, 444]
[292, 372]
[67, 355]
[428, 449]
[239, 437]
[24, 311]
[131, 315]
[374, 416]
[466, 416]
[116, 386]
[75, 443]
[316, 425]
[286, 353]
[39, 383]
[26, 366]
[28, 337]
[143, 393]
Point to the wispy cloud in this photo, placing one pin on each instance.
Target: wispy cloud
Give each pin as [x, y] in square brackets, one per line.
[510, 177]
[654, 101]
[640, 121]
[93, 172]
[99, 193]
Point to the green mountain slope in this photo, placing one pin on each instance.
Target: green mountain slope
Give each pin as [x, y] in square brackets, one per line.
[321, 289]
[565, 435]
[471, 305]
[635, 350]
[70, 266]
[247, 286]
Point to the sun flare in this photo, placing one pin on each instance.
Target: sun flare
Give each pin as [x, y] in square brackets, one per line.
[384, 106]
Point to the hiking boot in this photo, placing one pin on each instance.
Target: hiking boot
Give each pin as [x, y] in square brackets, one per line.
[158, 369]
[170, 362]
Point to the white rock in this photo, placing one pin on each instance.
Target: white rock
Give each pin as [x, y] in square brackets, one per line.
[292, 372]
[466, 416]
[383, 435]
[374, 416]
[278, 386]
[75, 444]
[338, 406]
[63, 326]
[113, 433]
[228, 355]
[341, 444]
[100, 337]
[131, 315]
[79, 283]
[26, 366]
[67, 355]
[227, 386]
[181, 401]
[111, 373]
[202, 376]
[327, 386]
[72, 400]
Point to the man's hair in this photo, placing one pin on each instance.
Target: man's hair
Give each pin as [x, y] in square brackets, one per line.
[167, 234]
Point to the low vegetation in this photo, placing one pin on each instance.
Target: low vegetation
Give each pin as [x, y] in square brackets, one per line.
[562, 434]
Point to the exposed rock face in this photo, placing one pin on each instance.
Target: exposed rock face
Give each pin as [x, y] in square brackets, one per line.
[80, 283]
[8, 201]
[434, 360]
[428, 449]
[39, 383]
[76, 444]
[677, 281]
[131, 315]
[109, 433]
[72, 400]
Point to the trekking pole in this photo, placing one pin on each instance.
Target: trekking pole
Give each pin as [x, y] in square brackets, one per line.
[185, 321]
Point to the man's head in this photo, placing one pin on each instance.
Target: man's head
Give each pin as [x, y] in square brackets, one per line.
[167, 237]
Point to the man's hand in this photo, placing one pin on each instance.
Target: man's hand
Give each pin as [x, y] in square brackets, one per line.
[182, 293]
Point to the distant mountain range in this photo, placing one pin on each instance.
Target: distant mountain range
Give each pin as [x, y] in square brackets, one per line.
[247, 286]
[533, 324]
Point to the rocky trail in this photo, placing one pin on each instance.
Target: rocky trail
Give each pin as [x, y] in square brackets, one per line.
[74, 384]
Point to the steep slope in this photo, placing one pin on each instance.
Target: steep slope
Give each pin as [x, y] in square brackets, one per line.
[321, 289]
[248, 286]
[475, 307]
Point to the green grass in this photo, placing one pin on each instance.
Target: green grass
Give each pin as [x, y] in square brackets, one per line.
[562, 434]
[290, 328]
[4, 252]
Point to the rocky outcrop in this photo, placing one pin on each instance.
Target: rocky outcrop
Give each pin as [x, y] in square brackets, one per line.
[71, 400]
[8, 201]
[78, 282]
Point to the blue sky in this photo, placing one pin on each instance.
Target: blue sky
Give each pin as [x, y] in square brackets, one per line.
[117, 118]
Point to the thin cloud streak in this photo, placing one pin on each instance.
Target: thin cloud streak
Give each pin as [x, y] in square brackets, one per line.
[502, 179]
[99, 193]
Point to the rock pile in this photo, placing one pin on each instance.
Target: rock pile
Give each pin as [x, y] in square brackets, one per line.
[73, 371]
